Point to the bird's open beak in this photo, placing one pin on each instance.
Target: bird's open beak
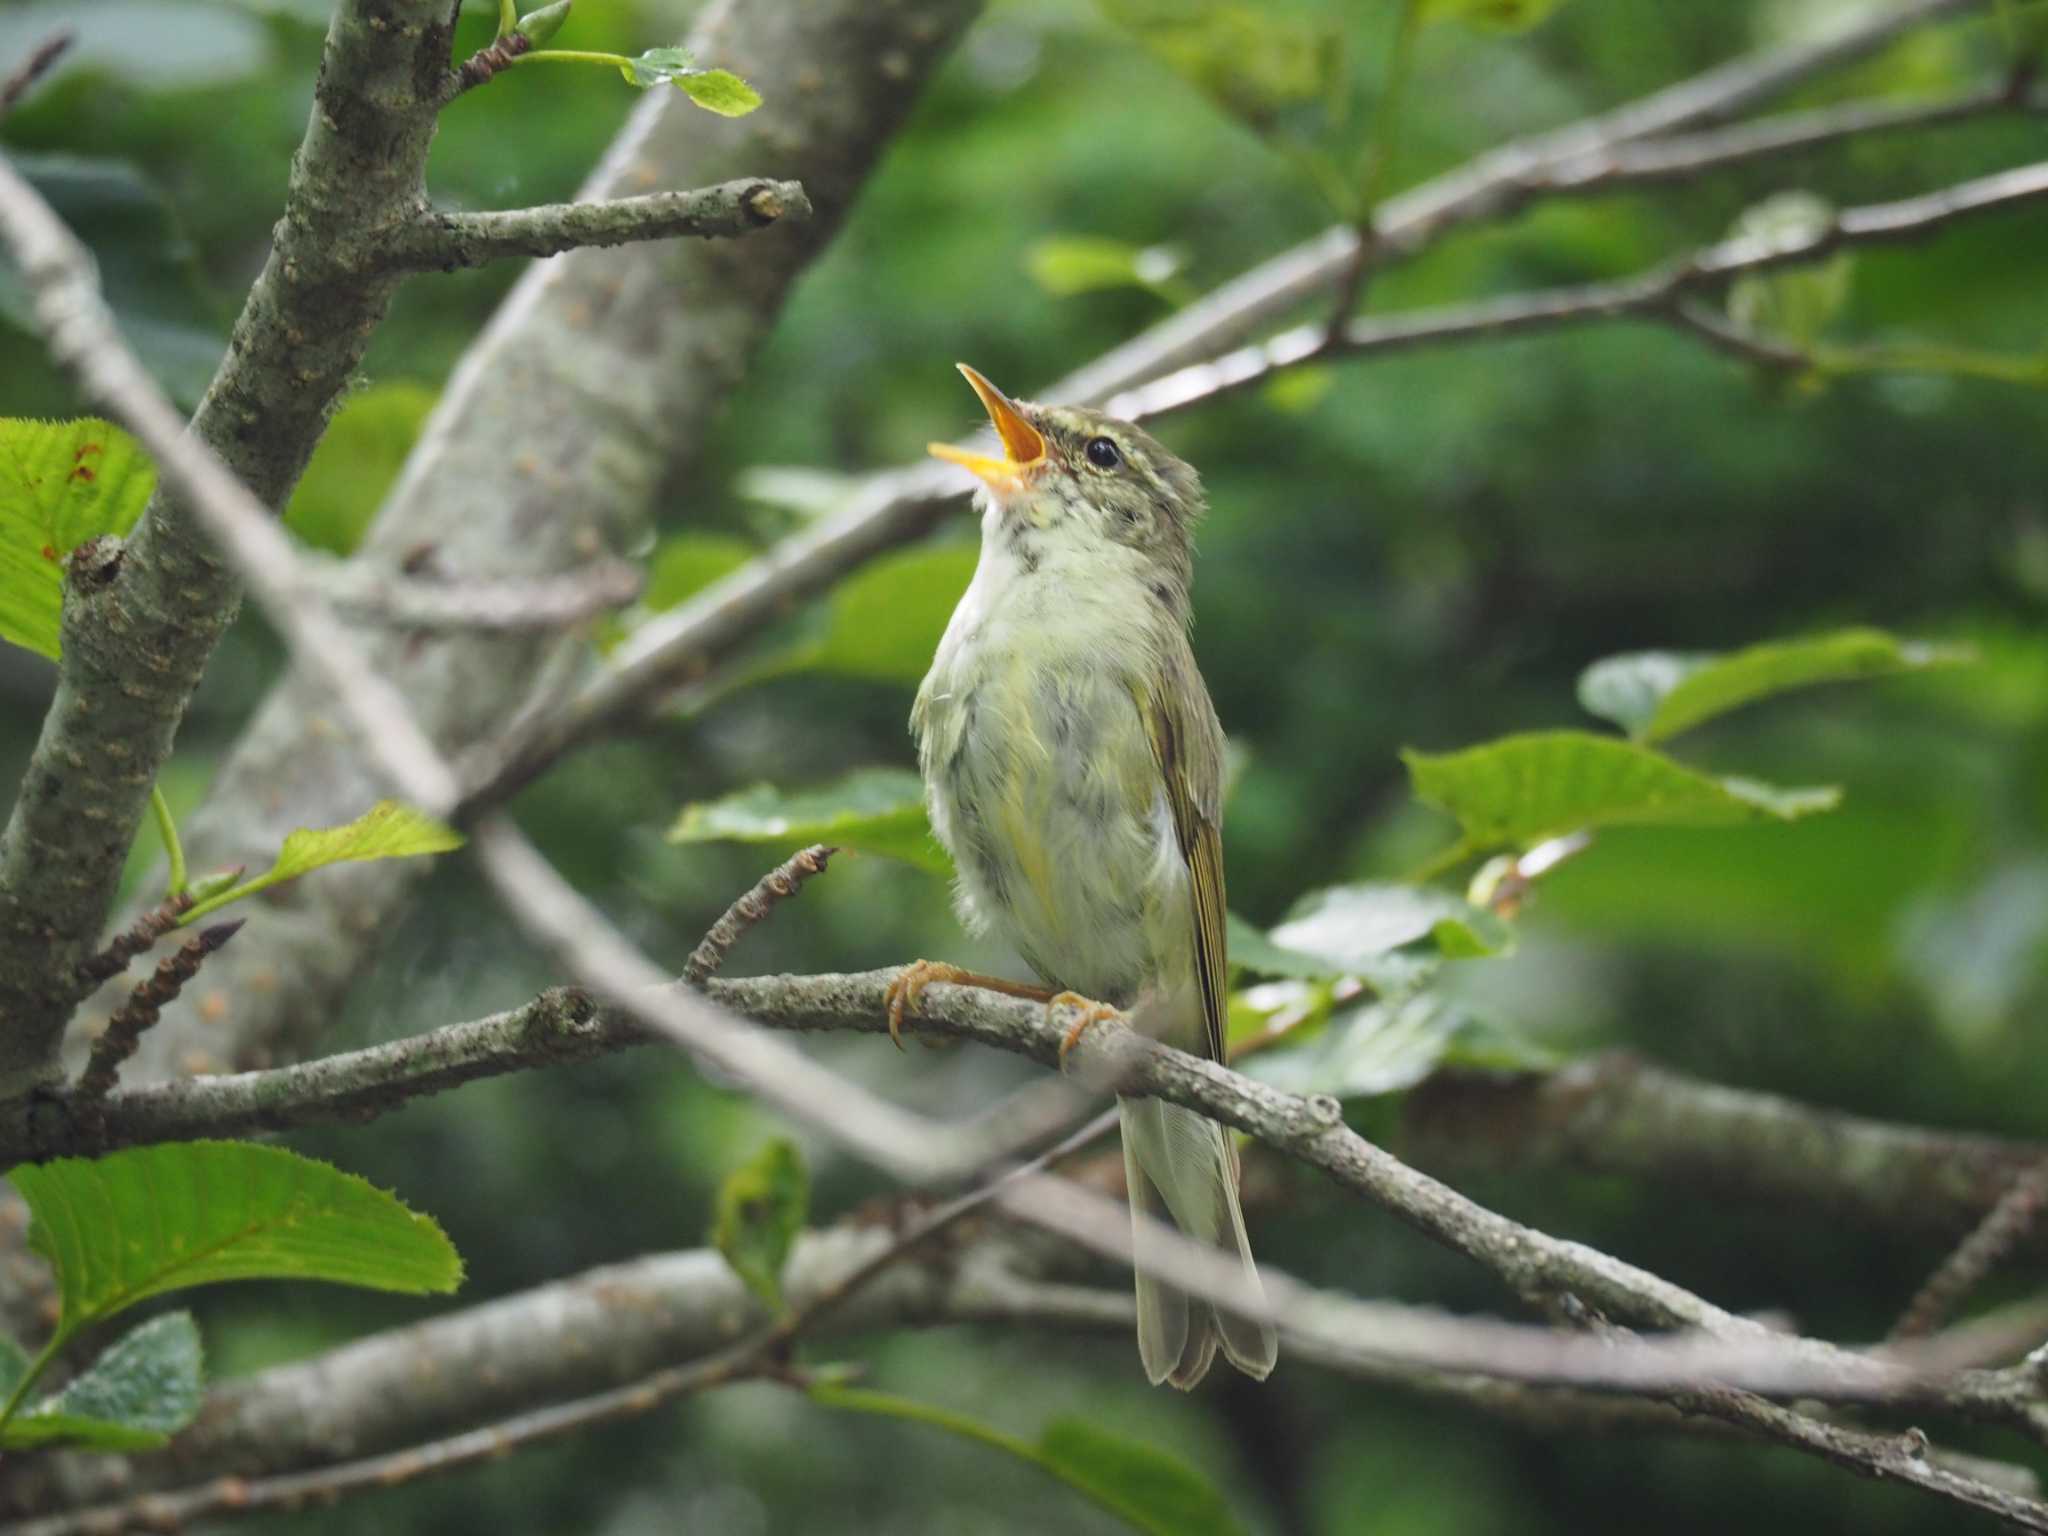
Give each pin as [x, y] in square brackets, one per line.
[1023, 445]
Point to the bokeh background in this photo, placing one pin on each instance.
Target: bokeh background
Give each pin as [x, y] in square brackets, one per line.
[1421, 550]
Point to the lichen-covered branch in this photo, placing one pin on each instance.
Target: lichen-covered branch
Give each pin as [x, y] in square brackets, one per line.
[442, 241]
[137, 635]
[592, 388]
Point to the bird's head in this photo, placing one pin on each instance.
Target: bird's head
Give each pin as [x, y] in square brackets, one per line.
[1083, 476]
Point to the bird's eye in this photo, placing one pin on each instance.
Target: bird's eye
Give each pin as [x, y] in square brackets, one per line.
[1102, 453]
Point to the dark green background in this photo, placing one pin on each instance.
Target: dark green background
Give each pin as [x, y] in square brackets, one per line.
[1422, 550]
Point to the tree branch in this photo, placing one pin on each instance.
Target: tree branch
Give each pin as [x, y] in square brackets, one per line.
[897, 505]
[442, 241]
[1620, 1114]
[136, 639]
[624, 1338]
[602, 371]
[1657, 295]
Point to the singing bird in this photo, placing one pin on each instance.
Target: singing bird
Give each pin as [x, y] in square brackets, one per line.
[1073, 766]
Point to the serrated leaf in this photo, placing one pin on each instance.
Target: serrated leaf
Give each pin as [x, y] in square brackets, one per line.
[144, 1388]
[387, 830]
[135, 1224]
[876, 810]
[1384, 1047]
[1151, 1490]
[1523, 788]
[761, 1209]
[1493, 15]
[719, 90]
[61, 483]
[355, 464]
[1654, 695]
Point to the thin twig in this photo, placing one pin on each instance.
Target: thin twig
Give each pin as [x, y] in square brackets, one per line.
[485, 65]
[438, 241]
[778, 885]
[147, 929]
[1656, 295]
[2015, 1215]
[117, 1041]
[33, 68]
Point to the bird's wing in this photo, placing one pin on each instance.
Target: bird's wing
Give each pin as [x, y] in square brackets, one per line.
[1187, 743]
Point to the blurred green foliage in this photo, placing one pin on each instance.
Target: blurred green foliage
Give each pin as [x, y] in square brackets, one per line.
[1419, 550]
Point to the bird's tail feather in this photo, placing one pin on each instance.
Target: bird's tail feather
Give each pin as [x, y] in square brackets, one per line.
[1180, 1169]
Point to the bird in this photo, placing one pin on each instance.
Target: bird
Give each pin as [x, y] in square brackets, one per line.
[1073, 768]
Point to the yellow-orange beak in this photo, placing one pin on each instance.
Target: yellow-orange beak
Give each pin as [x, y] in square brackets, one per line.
[1023, 446]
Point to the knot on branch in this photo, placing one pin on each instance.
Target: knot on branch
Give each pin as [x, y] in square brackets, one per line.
[485, 63]
[94, 564]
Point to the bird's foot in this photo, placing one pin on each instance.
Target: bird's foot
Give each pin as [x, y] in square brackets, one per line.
[902, 994]
[1092, 1013]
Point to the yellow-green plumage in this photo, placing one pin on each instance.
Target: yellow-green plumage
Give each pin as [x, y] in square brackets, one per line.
[1073, 766]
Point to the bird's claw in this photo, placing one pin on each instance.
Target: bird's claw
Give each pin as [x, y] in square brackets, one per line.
[1092, 1013]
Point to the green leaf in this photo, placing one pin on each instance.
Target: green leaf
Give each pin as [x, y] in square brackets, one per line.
[1654, 695]
[387, 830]
[1146, 1488]
[1524, 788]
[656, 66]
[761, 1208]
[1251, 950]
[356, 463]
[1294, 1008]
[688, 563]
[61, 483]
[720, 91]
[1264, 65]
[1384, 1047]
[138, 1223]
[1493, 15]
[1066, 265]
[1350, 925]
[142, 1390]
[1150, 1489]
[876, 810]
[1792, 304]
[14, 1364]
[716, 90]
[885, 622]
